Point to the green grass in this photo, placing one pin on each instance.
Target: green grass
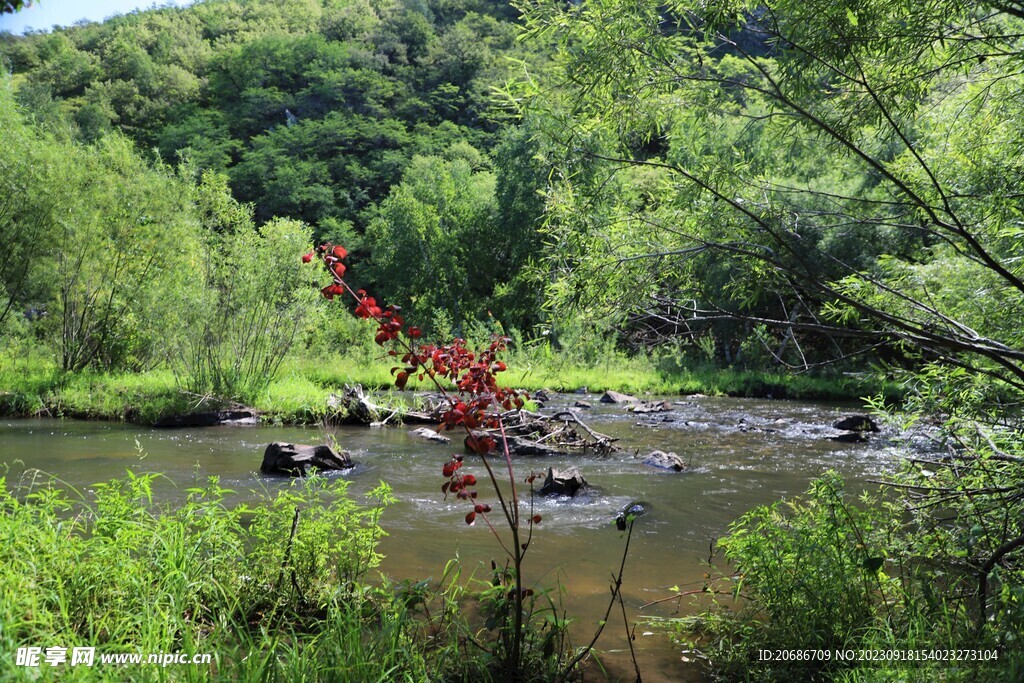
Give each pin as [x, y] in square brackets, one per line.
[34, 385]
[282, 590]
[123, 575]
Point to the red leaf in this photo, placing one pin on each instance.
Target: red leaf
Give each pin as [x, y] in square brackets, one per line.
[469, 480]
[339, 269]
[536, 519]
[415, 332]
[471, 518]
[481, 445]
[306, 258]
[340, 251]
[401, 379]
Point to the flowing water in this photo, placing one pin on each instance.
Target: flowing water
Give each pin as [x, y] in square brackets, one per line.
[743, 453]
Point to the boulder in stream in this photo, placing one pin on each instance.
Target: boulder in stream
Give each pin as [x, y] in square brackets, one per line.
[856, 423]
[582, 404]
[567, 482]
[296, 460]
[616, 397]
[664, 461]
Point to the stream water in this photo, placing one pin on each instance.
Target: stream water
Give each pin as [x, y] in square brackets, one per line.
[743, 453]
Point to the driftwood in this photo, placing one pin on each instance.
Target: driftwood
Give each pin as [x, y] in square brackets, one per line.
[529, 434]
[560, 434]
[355, 407]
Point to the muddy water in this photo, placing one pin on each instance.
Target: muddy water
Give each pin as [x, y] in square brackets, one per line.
[743, 453]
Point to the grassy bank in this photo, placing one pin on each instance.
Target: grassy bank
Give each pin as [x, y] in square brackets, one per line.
[281, 590]
[34, 385]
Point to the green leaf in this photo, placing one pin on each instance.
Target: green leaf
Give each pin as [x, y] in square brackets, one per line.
[851, 17]
[873, 564]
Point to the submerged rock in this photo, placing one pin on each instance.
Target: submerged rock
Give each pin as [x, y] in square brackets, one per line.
[637, 508]
[850, 437]
[567, 482]
[650, 407]
[210, 418]
[296, 460]
[582, 404]
[856, 423]
[665, 461]
[616, 397]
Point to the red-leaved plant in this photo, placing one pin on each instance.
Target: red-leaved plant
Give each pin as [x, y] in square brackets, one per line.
[477, 404]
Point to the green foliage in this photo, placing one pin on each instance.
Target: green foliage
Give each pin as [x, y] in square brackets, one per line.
[828, 573]
[251, 302]
[771, 162]
[100, 245]
[431, 249]
[267, 599]
[375, 82]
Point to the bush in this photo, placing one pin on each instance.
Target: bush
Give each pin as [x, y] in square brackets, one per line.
[243, 320]
[827, 575]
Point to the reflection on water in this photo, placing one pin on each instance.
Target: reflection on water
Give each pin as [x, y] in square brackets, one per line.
[743, 453]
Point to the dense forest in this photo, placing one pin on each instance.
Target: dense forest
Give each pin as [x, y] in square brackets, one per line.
[781, 187]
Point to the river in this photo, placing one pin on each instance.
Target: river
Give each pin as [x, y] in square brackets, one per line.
[743, 453]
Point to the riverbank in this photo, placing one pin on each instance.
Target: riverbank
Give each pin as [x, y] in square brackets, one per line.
[35, 386]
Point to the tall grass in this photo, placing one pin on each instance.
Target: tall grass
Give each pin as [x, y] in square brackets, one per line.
[270, 593]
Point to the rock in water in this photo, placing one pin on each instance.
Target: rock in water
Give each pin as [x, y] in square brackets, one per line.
[850, 437]
[296, 460]
[567, 482]
[430, 435]
[209, 419]
[856, 423]
[665, 461]
[582, 404]
[616, 397]
[637, 508]
[650, 407]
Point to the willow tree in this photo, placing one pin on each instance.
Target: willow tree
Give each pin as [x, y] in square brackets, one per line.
[851, 169]
[806, 165]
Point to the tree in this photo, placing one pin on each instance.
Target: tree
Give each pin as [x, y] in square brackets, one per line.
[851, 169]
[11, 6]
[742, 110]
[431, 246]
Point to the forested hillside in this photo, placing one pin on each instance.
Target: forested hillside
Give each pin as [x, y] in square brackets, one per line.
[313, 110]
